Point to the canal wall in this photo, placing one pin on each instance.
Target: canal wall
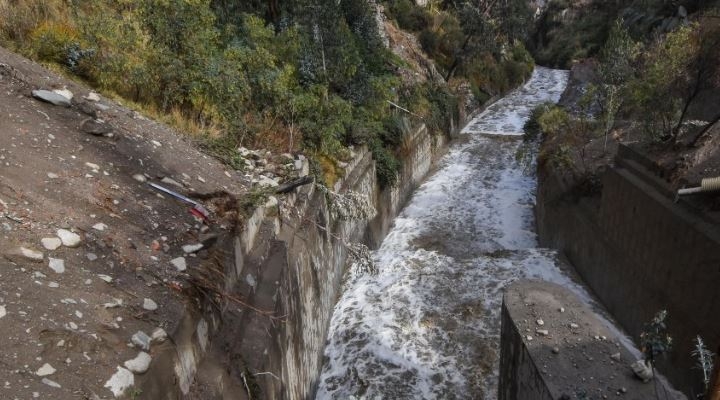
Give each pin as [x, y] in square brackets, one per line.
[555, 347]
[640, 253]
[277, 278]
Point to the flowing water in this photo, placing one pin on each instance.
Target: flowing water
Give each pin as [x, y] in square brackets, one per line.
[427, 325]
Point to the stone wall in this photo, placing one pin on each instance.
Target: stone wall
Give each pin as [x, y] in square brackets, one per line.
[640, 253]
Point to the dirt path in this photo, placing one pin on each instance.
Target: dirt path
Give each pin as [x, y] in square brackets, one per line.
[67, 315]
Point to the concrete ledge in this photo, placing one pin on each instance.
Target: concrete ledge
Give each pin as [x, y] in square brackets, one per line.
[555, 347]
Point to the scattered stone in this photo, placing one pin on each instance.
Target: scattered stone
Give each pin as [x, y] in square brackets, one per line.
[120, 381]
[52, 243]
[51, 383]
[92, 96]
[141, 339]
[149, 304]
[78, 314]
[540, 322]
[528, 337]
[574, 326]
[3, 312]
[113, 304]
[92, 166]
[45, 370]
[179, 263]
[64, 92]
[140, 178]
[615, 356]
[192, 248]
[171, 181]
[87, 108]
[52, 175]
[159, 335]
[623, 390]
[53, 285]
[51, 97]
[139, 364]
[96, 127]
[542, 332]
[32, 255]
[156, 143]
[69, 239]
[100, 227]
[642, 371]
[91, 256]
[73, 325]
[556, 350]
[105, 278]
[57, 265]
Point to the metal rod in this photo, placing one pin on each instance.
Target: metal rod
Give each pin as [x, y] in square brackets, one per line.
[174, 194]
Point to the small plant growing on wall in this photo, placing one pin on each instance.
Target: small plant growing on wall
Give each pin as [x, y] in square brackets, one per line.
[655, 340]
[704, 360]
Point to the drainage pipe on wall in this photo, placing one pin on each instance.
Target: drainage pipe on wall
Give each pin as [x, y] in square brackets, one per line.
[706, 185]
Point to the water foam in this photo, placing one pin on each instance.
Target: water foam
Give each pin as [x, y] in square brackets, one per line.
[426, 326]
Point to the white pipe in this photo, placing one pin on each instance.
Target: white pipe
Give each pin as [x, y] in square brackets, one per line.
[706, 185]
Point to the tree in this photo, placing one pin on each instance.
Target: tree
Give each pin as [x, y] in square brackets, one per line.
[616, 69]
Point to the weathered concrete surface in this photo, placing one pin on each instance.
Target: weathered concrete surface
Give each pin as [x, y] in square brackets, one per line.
[555, 347]
[640, 253]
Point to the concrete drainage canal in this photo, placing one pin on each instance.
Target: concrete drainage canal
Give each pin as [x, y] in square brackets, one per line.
[427, 325]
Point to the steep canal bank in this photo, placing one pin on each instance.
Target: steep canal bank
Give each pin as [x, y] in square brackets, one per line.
[427, 325]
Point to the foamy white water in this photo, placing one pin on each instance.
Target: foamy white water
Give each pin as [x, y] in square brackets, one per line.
[427, 325]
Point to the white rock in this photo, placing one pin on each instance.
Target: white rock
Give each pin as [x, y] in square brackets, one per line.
[540, 322]
[91, 256]
[3, 312]
[139, 364]
[52, 175]
[542, 332]
[113, 304]
[159, 335]
[100, 227]
[120, 381]
[156, 143]
[51, 383]
[141, 339]
[139, 177]
[574, 326]
[92, 96]
[92, 166]
[179, 263]
[106, 278]
[53, 285]
[73, 325]
[192, 248]
[57, 265]
[171, 181]
[69, 239]
[64, 92]
[149, 304]
[31, 254]
[45, 370]
[51, 243]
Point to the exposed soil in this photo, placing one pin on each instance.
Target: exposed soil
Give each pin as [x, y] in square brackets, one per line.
[53, 176]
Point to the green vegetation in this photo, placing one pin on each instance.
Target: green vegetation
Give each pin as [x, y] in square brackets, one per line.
[303, 74]
[480, 41]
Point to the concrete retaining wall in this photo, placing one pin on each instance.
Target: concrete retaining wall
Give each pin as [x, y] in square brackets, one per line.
[286, 265]
[571, 355]
[640, 253]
